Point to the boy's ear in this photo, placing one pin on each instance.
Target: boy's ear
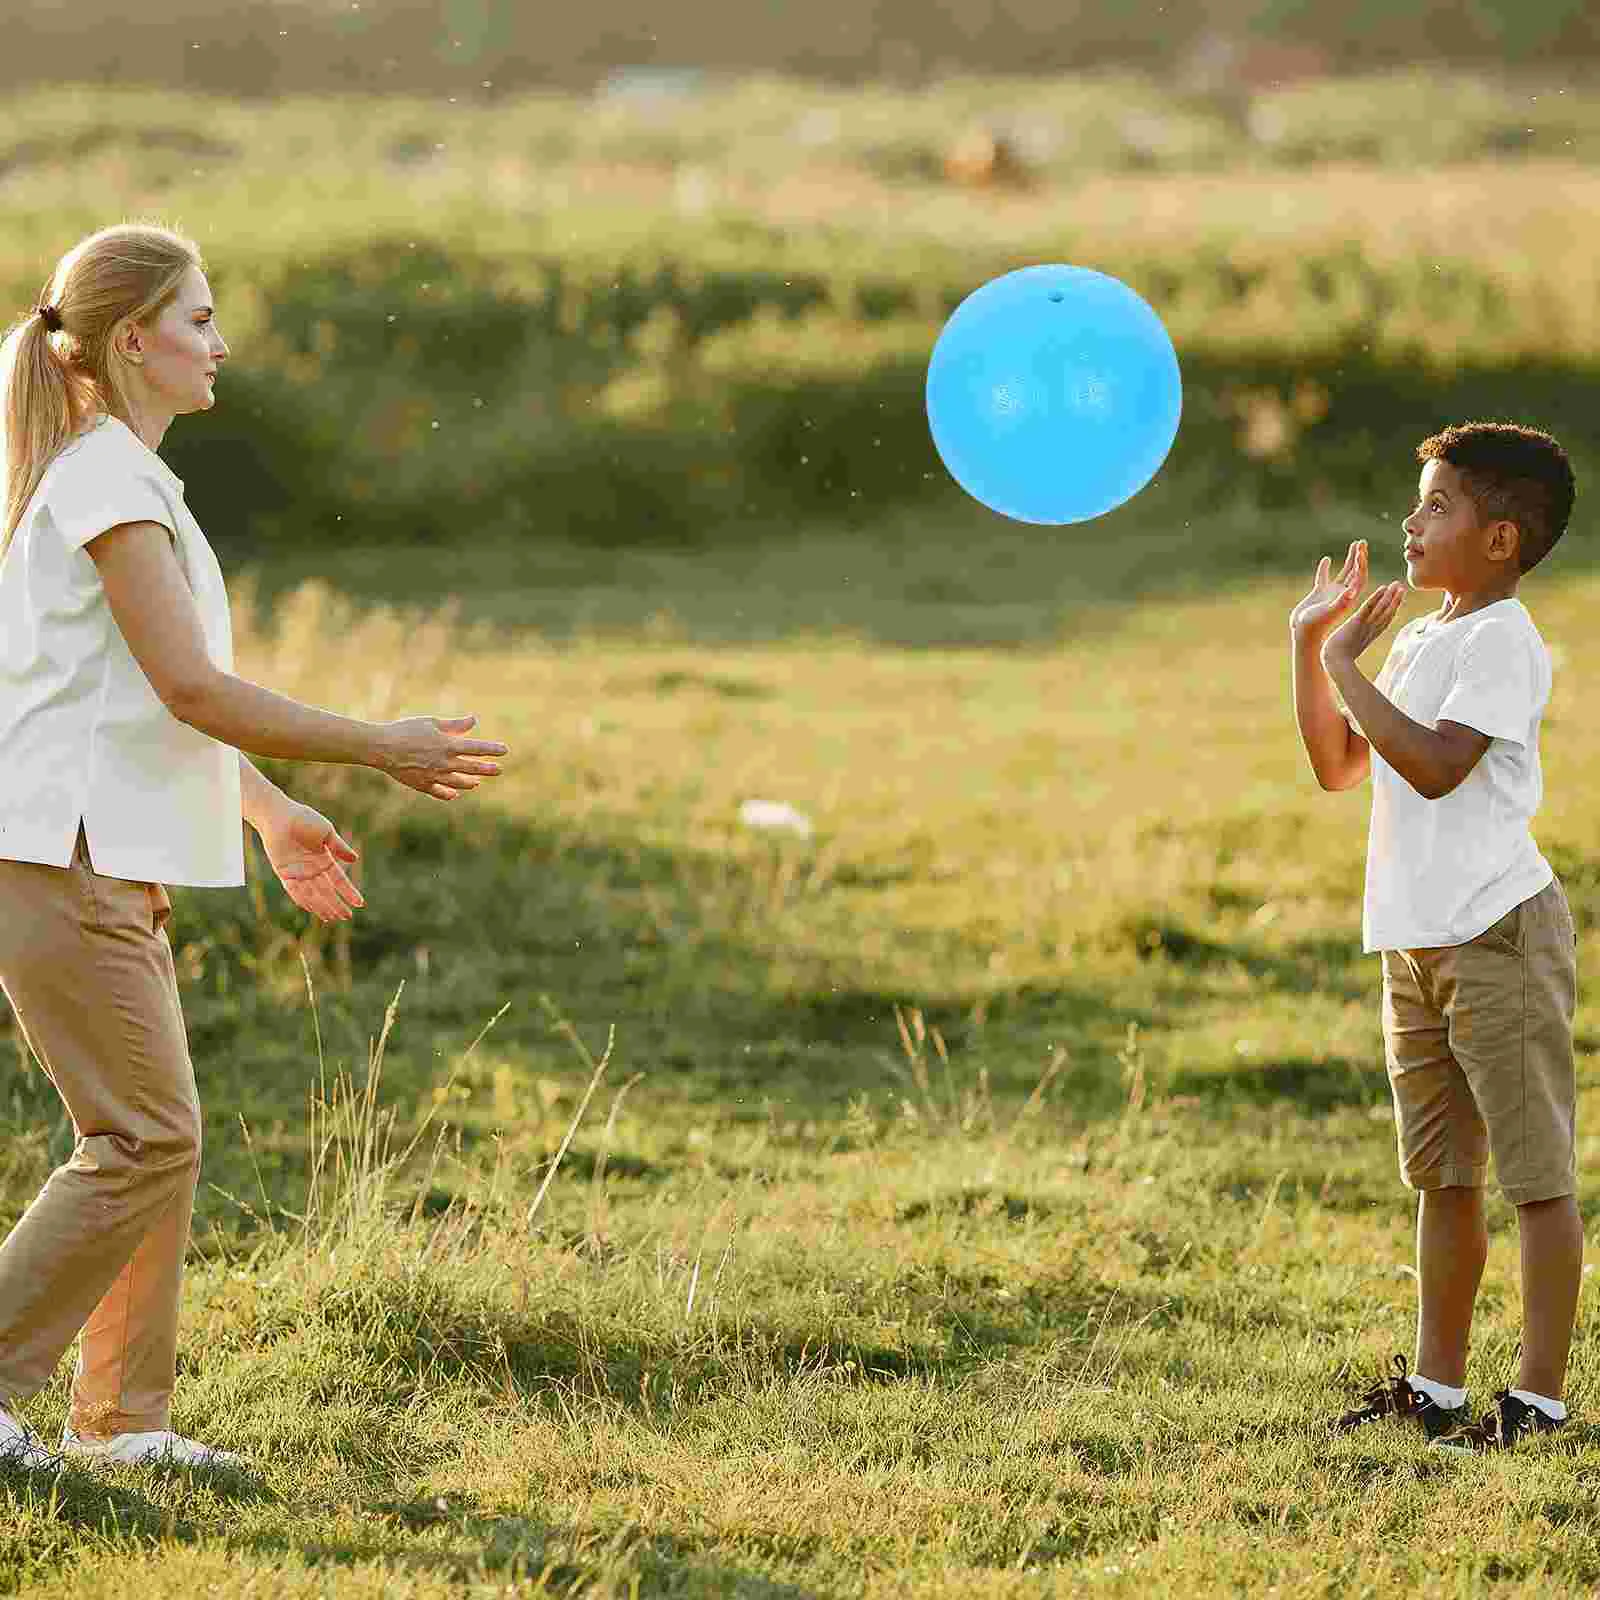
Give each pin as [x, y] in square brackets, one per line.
[1505, 539]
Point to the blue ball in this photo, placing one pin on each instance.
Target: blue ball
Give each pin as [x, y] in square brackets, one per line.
[1053, 394]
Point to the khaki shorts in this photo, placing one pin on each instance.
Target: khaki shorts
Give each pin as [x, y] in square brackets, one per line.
[1478, 1039]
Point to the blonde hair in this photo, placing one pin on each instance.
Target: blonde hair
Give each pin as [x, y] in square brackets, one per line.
[57, 377]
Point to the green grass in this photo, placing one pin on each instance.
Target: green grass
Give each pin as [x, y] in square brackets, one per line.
[986, 1196]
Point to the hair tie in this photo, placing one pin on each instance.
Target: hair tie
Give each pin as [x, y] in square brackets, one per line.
[52, 317]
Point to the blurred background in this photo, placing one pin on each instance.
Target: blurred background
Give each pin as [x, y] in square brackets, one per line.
[623, 274]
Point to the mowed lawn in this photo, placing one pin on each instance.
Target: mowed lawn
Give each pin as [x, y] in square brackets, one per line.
[988, 1193]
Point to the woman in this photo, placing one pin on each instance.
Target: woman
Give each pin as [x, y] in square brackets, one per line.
[125, 740]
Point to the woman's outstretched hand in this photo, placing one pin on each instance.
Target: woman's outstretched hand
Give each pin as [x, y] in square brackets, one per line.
[309, 858]
[434, 756]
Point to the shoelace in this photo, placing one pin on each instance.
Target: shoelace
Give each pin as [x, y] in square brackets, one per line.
[1492, 1425]
[1389, 1397]
[1494, 1431]
[25, 1444]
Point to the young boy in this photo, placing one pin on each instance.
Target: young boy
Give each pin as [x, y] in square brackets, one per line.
[1473, 928]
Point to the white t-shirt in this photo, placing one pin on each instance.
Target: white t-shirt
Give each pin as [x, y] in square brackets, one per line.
[83, 735]
[1439, 872]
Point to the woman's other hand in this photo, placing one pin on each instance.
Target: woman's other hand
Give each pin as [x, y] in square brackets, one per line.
[310, 858]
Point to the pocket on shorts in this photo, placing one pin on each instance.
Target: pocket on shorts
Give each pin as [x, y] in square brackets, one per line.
[1507, 935]
[1564, 917]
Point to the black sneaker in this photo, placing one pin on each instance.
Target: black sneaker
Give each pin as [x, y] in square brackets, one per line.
[1396, 1397]
[1512, 1422]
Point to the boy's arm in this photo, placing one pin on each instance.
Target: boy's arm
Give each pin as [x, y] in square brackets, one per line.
[1340, 757]
[1432, 760]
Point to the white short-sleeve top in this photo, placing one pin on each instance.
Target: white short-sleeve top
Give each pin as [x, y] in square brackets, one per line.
[1439, 872]
[83, 735]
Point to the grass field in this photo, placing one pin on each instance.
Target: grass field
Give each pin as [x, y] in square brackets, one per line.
[989, 1192]
[985, 1196]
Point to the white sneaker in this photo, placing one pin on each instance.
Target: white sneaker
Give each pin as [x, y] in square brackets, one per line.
[20, 1445]
[132, 1449]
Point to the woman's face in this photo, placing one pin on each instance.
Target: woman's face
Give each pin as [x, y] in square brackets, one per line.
[180, 349]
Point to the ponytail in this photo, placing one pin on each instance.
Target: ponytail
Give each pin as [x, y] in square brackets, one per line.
[44, 403]
[58, 365]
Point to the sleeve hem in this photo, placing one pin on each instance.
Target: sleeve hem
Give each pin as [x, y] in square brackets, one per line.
[83, 527]
[1516, 736]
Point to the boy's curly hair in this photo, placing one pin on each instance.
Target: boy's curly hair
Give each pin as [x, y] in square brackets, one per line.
[1514, 474]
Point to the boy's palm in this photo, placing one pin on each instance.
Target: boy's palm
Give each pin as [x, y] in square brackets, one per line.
[1330, 598]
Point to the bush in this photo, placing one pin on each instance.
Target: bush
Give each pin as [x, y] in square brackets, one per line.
[455, 348]
[427, 395]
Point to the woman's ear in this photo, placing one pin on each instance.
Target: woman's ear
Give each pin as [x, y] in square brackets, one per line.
[128, 342]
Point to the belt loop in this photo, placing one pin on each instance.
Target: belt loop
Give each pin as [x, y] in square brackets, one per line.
[160, 906]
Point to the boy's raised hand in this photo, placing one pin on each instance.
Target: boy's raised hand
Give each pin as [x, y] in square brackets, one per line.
[1355, 633]
[1330, 598]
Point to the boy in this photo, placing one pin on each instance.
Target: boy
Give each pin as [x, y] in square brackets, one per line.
[1473, 928]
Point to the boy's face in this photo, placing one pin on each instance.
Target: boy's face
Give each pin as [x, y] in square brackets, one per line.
[1446, 546]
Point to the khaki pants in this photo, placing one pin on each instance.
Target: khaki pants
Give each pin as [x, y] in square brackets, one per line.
[86, 965]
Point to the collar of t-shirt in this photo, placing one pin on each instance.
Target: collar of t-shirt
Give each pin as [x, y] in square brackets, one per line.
[1433, 624]
[154, 461]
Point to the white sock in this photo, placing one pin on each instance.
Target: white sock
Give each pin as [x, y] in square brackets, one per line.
[1440, 1393]
[1556, 1410]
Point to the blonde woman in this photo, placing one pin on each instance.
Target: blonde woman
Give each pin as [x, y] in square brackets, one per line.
[125, 739]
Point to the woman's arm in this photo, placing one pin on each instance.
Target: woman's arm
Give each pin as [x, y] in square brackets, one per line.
[261, 801]
[153, 607]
